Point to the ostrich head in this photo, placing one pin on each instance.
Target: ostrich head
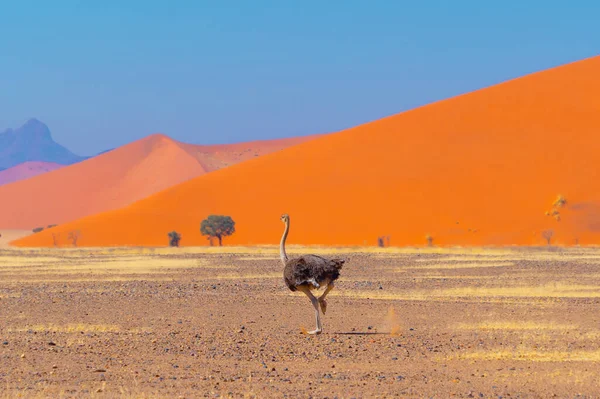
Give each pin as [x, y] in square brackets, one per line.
[285, 218]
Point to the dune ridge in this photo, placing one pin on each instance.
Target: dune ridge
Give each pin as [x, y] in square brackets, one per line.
[481, 168]
[26, 170]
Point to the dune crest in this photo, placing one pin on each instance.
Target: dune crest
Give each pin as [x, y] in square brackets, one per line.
[26, 170]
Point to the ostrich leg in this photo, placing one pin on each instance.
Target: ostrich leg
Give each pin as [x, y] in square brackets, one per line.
[322, 300]
[315, 303]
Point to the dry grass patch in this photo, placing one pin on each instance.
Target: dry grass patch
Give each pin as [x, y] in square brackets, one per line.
[531, 355]
[95, 390]
[258, 257]
[124, 265]
[514, 325]
[555, 290]
[552, 290]
[98, 278]
[466, 258]
[233, 276]
[453, 277]
[11, 295]
[14, 261]
[473, 265]
[75, 328]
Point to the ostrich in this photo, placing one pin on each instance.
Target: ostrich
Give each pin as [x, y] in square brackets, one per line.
[309, 272]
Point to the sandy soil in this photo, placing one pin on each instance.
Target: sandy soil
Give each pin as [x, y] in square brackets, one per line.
[400, 323]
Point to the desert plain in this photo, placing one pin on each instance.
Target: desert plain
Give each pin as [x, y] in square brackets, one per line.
[214, 322]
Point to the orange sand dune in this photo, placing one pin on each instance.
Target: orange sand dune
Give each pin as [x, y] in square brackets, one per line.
[26, 170]
[118, 178]
[480, 168]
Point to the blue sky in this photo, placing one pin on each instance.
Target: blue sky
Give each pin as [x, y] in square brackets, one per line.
[102, 74]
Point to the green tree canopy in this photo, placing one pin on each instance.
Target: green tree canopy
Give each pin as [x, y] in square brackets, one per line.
[218, 226]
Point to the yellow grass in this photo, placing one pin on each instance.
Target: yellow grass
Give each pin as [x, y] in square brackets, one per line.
[567, 254]
[76, 279]
[96, 390]
[513, 325]
[82, 266]
[472, 265]
[269, 250]
[553, 290]
[508, 252]
[132, 264]
[259, 257]
[467, 258]
[11, 261]
[556, 290]
[233, 276]
[74, 328]
[13, 295]
[531, 355]
[453, 277]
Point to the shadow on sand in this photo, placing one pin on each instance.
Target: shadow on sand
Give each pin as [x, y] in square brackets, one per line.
[362, 333]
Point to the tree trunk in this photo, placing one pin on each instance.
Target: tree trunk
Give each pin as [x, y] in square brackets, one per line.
[220, 241]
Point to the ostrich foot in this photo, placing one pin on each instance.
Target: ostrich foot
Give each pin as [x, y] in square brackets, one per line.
[306, 332]
[323, 304]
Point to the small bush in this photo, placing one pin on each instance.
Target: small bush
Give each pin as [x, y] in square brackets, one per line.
[560, 202]
[547, 234]
[429, 239]
[38, 229]
[55, 238]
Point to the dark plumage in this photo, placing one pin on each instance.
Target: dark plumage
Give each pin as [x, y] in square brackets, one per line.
[307, 269]
[308, 272]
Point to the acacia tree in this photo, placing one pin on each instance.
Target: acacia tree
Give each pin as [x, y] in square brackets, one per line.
[55, 237]
[74, 235]
[218, 226]
[174, 238]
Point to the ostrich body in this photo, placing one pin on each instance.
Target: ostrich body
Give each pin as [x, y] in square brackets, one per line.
[308, 272]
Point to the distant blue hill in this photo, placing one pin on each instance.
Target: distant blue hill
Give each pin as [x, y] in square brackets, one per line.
[33, 142]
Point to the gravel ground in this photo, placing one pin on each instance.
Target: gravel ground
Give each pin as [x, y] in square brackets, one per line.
[139, 323]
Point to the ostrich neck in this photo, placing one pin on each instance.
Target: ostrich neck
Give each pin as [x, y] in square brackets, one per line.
[282, 253]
